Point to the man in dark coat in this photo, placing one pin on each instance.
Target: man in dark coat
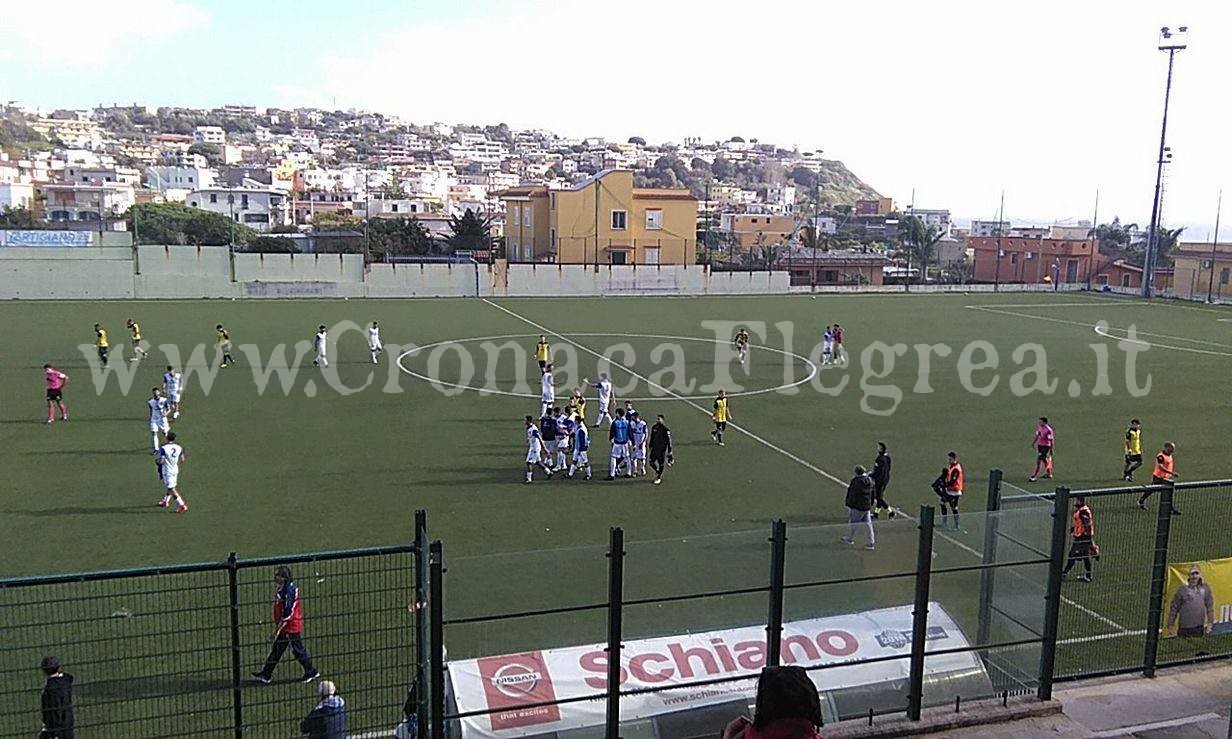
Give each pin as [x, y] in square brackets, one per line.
[860, 494]
[57, 701]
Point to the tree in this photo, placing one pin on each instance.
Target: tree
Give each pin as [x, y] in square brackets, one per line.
[736, 140]
[176, 223]
[811, 237]
[638, 140]
[19, 217]
[335, 222]
[1113, 237]
[469, 231]
[399, 236]
[272, 245]
[919, 241]
[722, 168]
[211, 152]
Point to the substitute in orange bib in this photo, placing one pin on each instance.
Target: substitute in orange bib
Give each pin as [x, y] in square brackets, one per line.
[1164, 473]
[949, 488]
[1082, 529]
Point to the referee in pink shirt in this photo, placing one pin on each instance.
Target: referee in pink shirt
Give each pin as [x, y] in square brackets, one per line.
[55, 393]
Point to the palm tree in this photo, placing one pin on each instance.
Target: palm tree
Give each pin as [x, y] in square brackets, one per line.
[919, 241]
[1113, 237]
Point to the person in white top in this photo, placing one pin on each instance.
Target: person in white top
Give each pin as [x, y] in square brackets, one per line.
[374, 341]
[321, 342]
[170, 457]
[172, 384]
[536, 451]
[606, 398]
[547, 390]
[158, 417]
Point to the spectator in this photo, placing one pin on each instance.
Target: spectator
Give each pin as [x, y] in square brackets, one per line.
[1192, 609]
[1082, 529]
[288, 629]
[787, 708]
[881, 480]
[859, 507]
[57, 701]
[409, 728]
[328, 719]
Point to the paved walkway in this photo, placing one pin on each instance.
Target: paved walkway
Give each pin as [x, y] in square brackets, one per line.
[1180, 703]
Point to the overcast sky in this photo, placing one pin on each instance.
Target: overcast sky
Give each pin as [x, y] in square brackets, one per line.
[1049, 100]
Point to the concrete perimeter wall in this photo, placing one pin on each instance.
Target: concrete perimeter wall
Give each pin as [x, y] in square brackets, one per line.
[94, 273]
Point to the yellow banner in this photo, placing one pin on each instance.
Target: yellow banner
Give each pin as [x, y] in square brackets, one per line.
[1217, 577]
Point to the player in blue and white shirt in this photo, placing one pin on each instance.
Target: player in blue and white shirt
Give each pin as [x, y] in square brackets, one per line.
[604, 386]
[827, 346]
[547, 388]
[619, 434]
[536, 450]
[638, 432]
[158, 417]
[564, 436]
[170, 457]
[173, 383]
[581, 448]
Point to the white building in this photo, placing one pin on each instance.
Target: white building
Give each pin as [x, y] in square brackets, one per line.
[77, 202]
[938, 219]
[16, 195]
[180, 178]
[258, 208]
[989, 228]
[209, 135]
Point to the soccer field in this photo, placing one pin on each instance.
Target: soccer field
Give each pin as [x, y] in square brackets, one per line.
[309, 468]
[276, 467]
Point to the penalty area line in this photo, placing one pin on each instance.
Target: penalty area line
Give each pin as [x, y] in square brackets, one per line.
[764, 442]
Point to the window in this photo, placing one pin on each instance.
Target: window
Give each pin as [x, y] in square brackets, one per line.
[619, 257]
[651, 255]
[1071, 270]
[516, 212]
[552, 239]
[1223, 275]
[190, 178]
[256, 218]
[654, 219]
[1124, 280]
[213, 198]
[193, 203]
[393, 208]
[620, 221]
[244, 200]
[552, 200]
[1014, 258]
[1103, 280]
[526, 216]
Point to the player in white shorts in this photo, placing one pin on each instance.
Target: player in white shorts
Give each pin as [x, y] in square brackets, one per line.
[564, 437]
[173, 382]
[581, 449]
[170, 457]
[827, 346]
[158, 417]
[321, 342]
[547, 389]
[536, 451]
[604, 386]
[374, 341]
[638, 430]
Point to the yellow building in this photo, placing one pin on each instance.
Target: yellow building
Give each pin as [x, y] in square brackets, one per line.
[748, 230]
[1196, 274]
[603, 219]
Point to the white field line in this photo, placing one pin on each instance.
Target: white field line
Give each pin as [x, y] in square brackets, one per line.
[780, 450]
[1184, 721]
[1102, 637]
[666, 391]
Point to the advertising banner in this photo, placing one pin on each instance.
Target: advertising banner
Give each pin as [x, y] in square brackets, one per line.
[1184, 600]
[507, 683]
[46, 238]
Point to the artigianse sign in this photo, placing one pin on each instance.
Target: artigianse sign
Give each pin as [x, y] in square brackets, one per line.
[46, 238]
[509, 685]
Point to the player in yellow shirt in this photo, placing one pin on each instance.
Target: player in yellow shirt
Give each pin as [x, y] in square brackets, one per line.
[721, 415]
[224, 344]
[135, 331]
[1133, 449]
[543, 353]
[100, 343]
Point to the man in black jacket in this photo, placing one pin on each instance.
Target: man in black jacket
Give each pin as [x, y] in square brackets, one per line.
[660, 447]
[57, 701]
[859, 507]
[881, 480]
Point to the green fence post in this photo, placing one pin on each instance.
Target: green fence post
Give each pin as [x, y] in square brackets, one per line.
[1052, 599]
[421, 621]
[615, 602]
[919, 615]
[1159, 568]
[774, 620]
[237, 698]
[988, 574]
[436, 678]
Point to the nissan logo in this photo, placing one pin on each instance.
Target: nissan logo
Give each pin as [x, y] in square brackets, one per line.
[516, 681]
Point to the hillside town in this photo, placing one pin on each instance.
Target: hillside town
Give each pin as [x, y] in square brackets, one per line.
[310, 180]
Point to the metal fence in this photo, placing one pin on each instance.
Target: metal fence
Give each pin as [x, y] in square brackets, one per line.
[1117, 622]
[168, 651]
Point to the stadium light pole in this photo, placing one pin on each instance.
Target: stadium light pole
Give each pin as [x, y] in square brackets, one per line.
[1170, 41]
[1210, 280]
[996, 277]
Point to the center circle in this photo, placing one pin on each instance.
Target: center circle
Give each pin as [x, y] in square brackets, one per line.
[813, 368]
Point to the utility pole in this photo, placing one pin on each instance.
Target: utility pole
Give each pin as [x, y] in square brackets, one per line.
[1210, 282]
[231, 207]
[1170, 42]
[709, 251]
[911, 240]
[1094, 241]
[597, 174]
[367, 214]
[996, 278]
[816, 225]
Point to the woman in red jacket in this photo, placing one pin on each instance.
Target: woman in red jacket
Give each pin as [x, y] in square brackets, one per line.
[787, 708]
